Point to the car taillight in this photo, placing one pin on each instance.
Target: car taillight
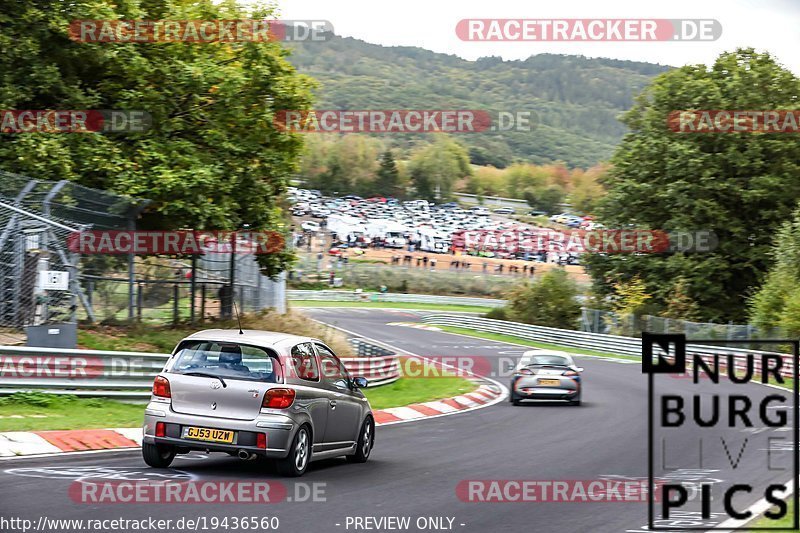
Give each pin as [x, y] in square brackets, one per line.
[161, 387]
[278, 398]
[570, 373]
[161, 429]
[261, 440]
[525, 372]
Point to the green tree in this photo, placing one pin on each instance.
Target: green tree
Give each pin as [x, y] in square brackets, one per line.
[680, 303]
[549, 301]
[631, 297]
[387, 181]
[213, 158]
[351, 165]
[740, 186]
[776, 302]
[436, 167]
[545, 199]
[587, 188]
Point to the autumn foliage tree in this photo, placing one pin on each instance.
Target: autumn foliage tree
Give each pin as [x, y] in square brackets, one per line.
[741, 186]
[213, 158]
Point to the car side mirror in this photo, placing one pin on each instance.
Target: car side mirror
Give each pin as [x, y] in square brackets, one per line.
[360, 383]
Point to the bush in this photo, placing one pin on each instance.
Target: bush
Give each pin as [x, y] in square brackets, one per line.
[37, 399]
[498, 313]
[551, 301]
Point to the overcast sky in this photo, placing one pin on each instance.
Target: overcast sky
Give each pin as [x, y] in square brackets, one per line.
[772, 25]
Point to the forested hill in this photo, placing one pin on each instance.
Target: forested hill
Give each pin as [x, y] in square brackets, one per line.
[577, 99]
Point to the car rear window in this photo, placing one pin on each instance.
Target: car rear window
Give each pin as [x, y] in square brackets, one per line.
[549, 360]
[228, 360]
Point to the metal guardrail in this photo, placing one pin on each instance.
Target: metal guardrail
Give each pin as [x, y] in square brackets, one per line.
[352, 296]
[611, 344]
[129, 375]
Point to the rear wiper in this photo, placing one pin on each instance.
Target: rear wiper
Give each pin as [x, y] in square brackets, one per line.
[206, 375]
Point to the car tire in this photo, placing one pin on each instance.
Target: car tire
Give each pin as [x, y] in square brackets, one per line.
[296, 463]
[157, 456]
[575, 402]
[366, 438]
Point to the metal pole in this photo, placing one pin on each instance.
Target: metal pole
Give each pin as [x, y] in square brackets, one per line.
[131, 272]
[193, 288]
[90, 291]
[203, 303]
[139, 302]
[232, 277]
[17, 201]
[44, 262]
[175, 305]
[259, 305]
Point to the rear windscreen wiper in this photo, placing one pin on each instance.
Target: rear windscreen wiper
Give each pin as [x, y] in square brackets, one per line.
[205, 375]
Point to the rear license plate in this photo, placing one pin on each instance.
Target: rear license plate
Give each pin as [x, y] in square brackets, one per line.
[549, 382]
[206, 434]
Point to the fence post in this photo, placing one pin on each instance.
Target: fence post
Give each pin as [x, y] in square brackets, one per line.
[203, 302]
[193, 289]
[175, 305]
[139, 302]
[89, 291]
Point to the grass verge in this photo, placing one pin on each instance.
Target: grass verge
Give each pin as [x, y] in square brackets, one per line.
[406, 391]
[785, 522]
[163, 339]
[35, 411]
[392, 305]
[533, 344]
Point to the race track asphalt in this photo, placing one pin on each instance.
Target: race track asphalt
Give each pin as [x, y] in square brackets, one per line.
[415, 467]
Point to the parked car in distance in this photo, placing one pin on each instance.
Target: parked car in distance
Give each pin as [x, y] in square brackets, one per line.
[257, 394]
[310, 225]
[504, 211]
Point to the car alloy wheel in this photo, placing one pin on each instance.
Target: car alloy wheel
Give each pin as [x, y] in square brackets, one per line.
[367, 444]
[301, 450]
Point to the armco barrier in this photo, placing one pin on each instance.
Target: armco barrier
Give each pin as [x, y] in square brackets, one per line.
[352, 296]
[129, 375]
[611, 344]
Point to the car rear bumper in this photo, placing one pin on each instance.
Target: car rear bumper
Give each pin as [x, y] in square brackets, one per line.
[529, 389]
[549, 394]
[279, 430]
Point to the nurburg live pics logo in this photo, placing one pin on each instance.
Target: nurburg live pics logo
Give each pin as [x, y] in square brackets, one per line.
[728, 376]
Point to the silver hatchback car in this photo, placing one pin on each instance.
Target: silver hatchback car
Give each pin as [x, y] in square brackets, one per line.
[257, 394]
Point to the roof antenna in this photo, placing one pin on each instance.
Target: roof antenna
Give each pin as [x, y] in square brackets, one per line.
[238, 319]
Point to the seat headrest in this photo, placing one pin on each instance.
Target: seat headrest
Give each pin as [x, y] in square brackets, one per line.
[230, 354]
